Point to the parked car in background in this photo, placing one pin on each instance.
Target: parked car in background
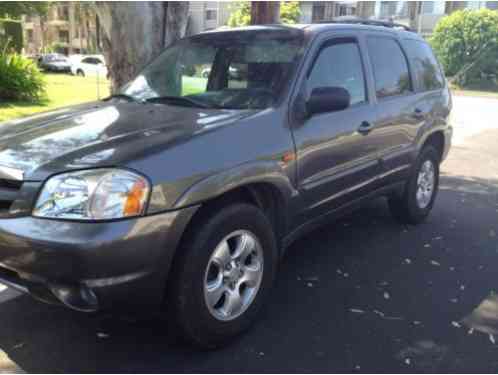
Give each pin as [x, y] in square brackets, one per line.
[88, 65]
[54, 62]
[182, 198]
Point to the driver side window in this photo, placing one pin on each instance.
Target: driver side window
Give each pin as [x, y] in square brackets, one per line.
[339, 65]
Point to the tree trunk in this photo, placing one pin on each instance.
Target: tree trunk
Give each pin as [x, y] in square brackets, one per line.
[97, 33]
[136, 32]
[265, 12]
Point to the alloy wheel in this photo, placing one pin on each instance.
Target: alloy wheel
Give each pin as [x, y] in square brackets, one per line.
[233, 275]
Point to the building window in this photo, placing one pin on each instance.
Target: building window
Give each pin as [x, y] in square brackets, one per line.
[492, 5]
[211, 14]
[63, 13]
[346, 10]
[427, 7]
[30, 36]
[63, 36]
[318, 13]
[387, 9]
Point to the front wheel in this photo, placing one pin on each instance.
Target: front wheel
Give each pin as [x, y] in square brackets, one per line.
[413, 206]
[224, 275]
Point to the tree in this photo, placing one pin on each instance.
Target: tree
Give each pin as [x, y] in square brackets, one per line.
[241, 13]
[136, 32]
[289, 12]
[265, 12]
[15, 9]
[466, 43]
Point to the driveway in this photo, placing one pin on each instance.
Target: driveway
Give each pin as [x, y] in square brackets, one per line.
[361, 294]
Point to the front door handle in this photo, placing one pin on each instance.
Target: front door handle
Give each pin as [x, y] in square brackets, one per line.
[418, 114]
[365, 128]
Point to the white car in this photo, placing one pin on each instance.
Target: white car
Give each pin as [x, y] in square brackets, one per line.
[88, 65]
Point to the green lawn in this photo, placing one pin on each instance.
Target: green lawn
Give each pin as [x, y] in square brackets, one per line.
[62, 90]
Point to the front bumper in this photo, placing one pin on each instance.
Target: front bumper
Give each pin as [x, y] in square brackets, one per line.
[92, 266]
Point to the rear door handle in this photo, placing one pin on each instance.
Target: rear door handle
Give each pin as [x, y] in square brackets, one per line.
[365, 128]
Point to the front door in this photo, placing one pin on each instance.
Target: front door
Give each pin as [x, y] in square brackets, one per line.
[336, 160]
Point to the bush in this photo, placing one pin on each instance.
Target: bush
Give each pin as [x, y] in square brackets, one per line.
[466, 43]
[11, 32]
[241, 13]
[20, 78]
[289, 12]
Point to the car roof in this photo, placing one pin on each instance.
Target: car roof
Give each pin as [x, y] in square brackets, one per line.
[326, 26]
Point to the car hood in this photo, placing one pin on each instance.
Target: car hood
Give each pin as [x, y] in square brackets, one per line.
[100, 134]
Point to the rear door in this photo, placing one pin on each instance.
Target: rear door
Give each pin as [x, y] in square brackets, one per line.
[397, 117]
[432, 99]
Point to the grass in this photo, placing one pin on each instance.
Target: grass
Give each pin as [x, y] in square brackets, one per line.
[489, 90]
[193, 85]
[62, 90]
[475, 93]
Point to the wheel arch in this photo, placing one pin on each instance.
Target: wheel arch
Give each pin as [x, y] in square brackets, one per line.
[263, 184]
[437, 140]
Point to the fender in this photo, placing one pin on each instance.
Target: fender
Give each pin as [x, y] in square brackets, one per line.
[267, 171]
[424, 135]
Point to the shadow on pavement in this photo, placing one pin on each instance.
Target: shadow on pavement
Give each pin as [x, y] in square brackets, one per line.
[360, 294]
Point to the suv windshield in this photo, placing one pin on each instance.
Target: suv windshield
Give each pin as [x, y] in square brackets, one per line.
[231, 70]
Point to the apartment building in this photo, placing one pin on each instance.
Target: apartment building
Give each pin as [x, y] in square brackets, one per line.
[70, 27]
[318, 11]
[208, 15]
[419, 15]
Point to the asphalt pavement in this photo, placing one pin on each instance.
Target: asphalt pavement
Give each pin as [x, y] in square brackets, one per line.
[361, 294]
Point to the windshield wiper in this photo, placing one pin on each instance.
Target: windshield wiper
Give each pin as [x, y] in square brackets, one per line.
[181, 100]
[125, 97]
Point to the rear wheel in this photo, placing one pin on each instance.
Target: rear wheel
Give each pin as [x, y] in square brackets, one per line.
[223, 276]
[417, 199]
[80, 73]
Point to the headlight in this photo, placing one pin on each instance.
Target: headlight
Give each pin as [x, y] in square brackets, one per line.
[97, 194]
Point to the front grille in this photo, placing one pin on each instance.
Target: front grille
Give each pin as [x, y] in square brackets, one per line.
[9, 192]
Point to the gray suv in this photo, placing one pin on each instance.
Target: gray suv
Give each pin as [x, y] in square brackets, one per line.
[180, 193]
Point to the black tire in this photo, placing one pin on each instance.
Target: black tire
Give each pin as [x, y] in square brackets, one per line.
[191, 315]
[405, 207]
[80, 73]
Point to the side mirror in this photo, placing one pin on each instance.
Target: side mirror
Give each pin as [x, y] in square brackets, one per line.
[328, 99]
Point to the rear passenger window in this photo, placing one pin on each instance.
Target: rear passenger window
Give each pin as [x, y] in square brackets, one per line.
[428, 75]
[389, 66]
[339, 65]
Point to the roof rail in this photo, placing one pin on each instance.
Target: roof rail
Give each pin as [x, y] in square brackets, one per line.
[369, 22]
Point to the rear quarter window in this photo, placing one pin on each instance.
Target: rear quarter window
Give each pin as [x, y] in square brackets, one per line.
[426, 70]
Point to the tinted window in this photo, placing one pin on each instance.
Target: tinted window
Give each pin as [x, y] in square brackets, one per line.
[426, 70]
[389, 66]
[339, 65]
[89, 60]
